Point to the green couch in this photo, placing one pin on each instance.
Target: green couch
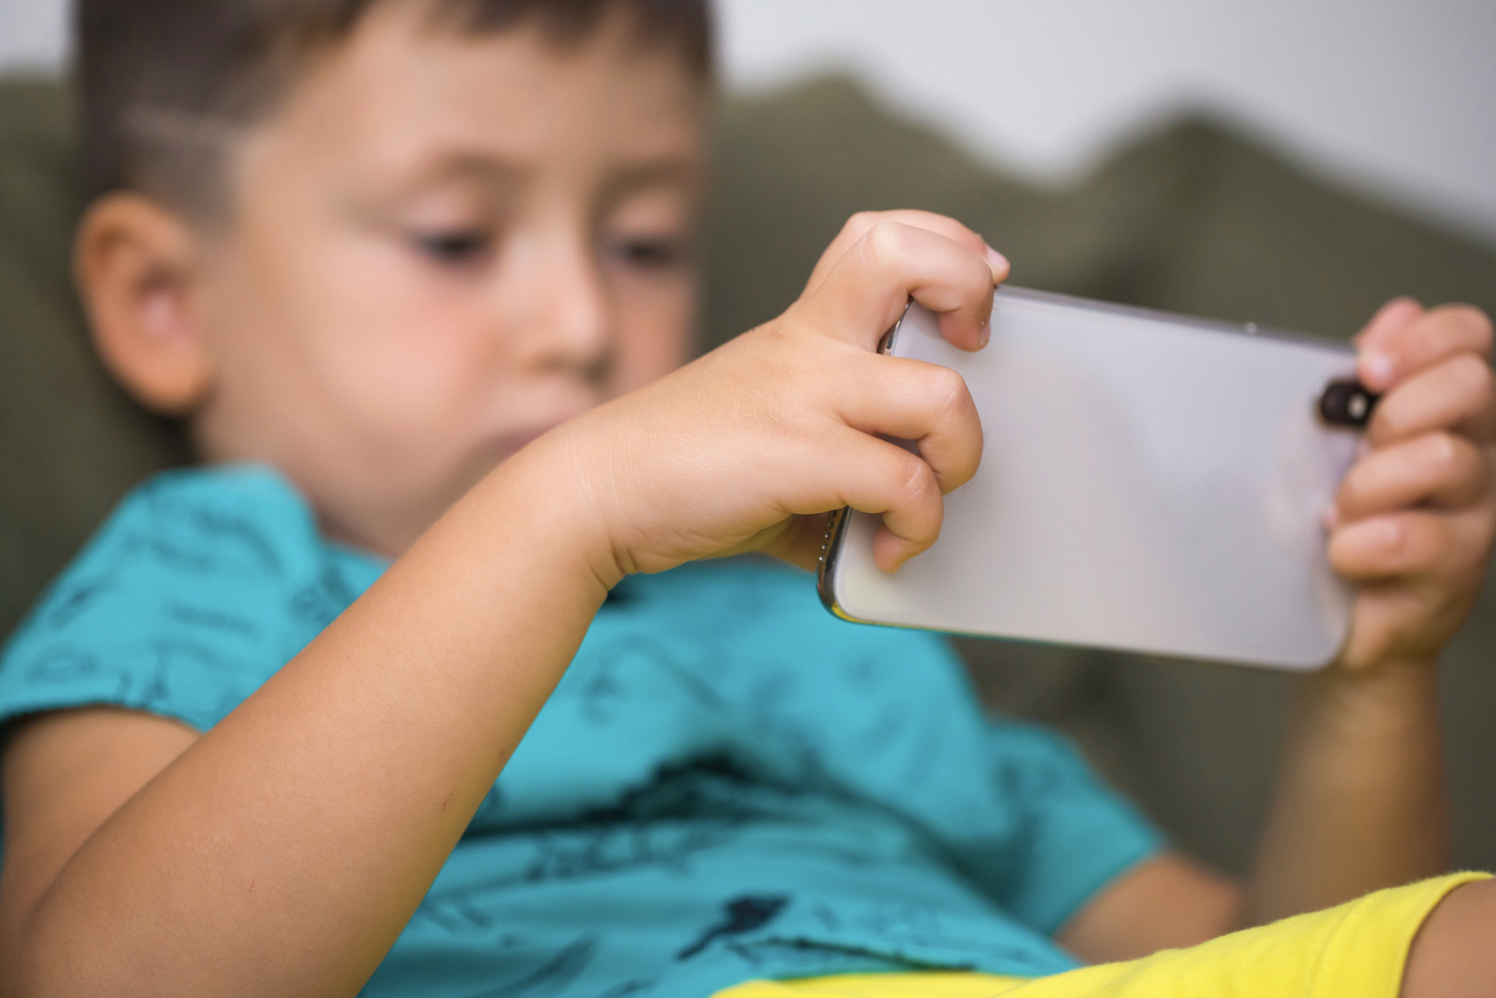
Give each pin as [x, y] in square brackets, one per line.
[1193, 219]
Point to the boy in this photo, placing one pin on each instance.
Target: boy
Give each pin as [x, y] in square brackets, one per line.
[427, 263]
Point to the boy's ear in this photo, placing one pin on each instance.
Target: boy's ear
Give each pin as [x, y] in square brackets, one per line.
[136, 265]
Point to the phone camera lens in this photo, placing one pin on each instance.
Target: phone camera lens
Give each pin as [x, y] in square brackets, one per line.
[1346, 403]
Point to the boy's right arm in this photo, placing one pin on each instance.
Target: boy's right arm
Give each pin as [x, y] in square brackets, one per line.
[282, 851]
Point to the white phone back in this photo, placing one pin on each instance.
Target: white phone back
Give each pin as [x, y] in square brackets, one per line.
[1148, 483]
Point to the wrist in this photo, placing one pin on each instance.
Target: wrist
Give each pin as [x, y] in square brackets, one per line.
[1408, 671]
[549, 482]
[1388, 695]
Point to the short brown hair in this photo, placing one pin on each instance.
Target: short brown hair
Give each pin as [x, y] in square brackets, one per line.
[163, 83]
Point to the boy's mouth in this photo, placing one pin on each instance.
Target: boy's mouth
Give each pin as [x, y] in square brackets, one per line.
[508, 444]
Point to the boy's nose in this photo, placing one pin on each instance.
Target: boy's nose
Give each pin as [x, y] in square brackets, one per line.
[568, 325]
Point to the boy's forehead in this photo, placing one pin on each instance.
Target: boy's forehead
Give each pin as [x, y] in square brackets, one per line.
[405, 96]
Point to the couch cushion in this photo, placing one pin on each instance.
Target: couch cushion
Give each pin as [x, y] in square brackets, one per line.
[70, 442]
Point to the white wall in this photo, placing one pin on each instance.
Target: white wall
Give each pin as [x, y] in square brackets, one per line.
[1398, 96]
[32, 32]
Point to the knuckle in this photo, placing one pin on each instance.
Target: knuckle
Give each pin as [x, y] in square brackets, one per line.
[1391, 547]
[948, 394]
[1474, 374]
[860, 223]
[1462, 465]
[783, 344]
[884, 242]
[977, 278]
[1468, 463]
[1443, 448]
[1391, 541]
[917, 485]
[1474, 321]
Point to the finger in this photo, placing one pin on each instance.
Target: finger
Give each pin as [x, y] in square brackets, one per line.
[913, 400]
[875, 476]
[869, 287]
[859, 224]
[1389, 319]
[799, 541]
[1456, 394]
[1412, 544]
[1435, 335]
[1398, 621]
[1437, 469]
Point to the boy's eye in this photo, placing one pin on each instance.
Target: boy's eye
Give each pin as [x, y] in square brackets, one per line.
[649, 253]
[454, 247]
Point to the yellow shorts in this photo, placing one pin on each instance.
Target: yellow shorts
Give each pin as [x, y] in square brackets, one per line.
[1356, 949]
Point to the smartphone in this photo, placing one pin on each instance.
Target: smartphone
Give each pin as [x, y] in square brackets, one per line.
[1149, 483]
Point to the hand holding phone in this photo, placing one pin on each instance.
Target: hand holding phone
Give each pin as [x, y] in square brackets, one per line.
[1414, 520]
[1149, 483]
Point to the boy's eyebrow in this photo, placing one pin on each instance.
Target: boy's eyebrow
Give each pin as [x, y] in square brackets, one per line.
[489, 169]
[663, 172]
[475, 166]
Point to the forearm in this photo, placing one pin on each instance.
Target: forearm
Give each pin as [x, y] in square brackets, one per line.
[1361, 801]
[285, 850]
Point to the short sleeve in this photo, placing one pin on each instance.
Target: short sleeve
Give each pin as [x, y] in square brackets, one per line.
[1018, 808]
[200, 585]
[1072, 835]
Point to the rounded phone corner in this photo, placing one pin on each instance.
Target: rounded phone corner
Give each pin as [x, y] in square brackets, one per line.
[1340, 647]
[1304, 663]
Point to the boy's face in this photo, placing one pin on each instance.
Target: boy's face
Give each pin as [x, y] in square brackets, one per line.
[442, 246]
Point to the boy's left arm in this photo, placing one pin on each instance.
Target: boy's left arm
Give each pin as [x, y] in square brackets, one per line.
[1361, 801]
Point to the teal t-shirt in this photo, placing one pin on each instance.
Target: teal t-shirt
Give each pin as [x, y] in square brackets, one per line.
[727, 784]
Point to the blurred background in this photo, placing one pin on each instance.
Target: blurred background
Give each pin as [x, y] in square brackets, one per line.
[1391, 96]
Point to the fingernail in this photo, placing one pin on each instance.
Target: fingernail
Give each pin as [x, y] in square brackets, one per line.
[1330, 518]
[1377, 367]
[985, 333]
[998, 261]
